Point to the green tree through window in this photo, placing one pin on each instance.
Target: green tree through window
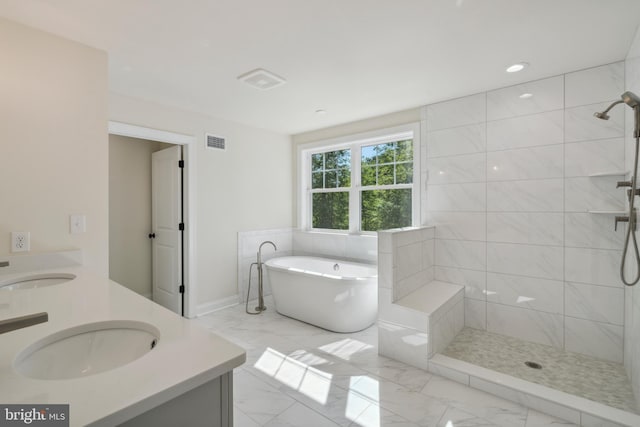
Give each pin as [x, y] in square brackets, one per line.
[383, 166]
[385, 192]
[331, 170]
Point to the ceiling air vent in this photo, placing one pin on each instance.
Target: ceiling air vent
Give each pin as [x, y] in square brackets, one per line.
[262, 79]
[216, 142]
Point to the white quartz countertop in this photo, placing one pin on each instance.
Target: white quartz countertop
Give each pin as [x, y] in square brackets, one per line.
[186, 356]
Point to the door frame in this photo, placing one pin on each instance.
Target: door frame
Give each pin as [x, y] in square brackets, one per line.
[189, 142]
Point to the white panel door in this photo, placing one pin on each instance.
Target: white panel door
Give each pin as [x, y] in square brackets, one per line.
[166, 212]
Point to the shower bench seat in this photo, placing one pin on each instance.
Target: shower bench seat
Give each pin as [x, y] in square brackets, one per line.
[415, 327]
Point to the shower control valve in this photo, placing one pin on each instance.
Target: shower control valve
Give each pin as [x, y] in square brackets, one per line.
[620, 219]
[632, 193]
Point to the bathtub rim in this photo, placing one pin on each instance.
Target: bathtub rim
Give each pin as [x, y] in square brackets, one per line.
[363, 279]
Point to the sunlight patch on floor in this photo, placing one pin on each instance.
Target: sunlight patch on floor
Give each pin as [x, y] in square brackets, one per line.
[363, 389]
[345, 349]
[366, 386]
[307, 358]
[295, 374]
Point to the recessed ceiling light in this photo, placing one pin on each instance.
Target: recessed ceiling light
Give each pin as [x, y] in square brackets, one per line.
[517, 67]
[261, 79]
[321, 112]
[526, 95]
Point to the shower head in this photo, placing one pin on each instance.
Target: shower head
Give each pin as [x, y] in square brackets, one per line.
[631, 99]
[603, 115]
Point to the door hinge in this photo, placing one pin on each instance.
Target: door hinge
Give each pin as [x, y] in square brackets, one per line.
[180, 163]
[181, 226]
[182, 289]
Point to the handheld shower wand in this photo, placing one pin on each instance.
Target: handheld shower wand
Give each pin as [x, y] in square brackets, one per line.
[633, 101]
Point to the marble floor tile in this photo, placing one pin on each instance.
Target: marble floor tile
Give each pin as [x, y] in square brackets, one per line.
[399, 400]
[300, 375]
[257, 399]
[478, 403]
[413, 379]
[297, 413]
[341, 406]
[538, 419]
[455, 417]
[375, 416]
[240, 419]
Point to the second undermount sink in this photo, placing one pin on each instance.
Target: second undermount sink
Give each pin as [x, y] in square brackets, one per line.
[87, 350]
[32, 281]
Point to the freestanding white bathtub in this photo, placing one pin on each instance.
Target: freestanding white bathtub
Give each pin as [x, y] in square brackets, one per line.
[336, 295]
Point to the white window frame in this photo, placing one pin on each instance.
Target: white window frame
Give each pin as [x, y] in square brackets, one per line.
[354, 142]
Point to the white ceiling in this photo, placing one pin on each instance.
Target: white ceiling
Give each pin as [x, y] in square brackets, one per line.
[353, 58]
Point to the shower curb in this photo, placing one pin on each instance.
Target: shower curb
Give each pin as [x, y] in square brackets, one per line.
[568, 407]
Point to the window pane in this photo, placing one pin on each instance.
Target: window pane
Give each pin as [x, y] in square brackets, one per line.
[343, 159]
[385, 175]
[330, 179]
[404, 173]
[330, 159]
[385, 209]
[344, 178]
[368, 175]
[330, 210]
[331, 169]
[316, 162]
[404, 151]
[369, 155]
[316, 180]
[386, 152]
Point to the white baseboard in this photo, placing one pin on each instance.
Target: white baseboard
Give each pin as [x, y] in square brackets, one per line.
[212, 306]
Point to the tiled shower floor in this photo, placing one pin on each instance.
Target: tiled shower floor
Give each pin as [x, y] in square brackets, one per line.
[584, 376]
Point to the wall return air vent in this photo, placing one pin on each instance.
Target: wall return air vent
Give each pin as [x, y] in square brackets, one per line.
[215, 142]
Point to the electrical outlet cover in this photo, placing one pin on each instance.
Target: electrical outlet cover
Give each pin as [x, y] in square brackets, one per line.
[20, 241]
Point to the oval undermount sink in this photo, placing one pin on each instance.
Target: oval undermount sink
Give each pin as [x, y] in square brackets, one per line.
[33, 281]
[87, 350]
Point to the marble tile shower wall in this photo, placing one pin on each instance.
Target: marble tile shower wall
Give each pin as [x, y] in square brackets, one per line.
[632, 294]
[405, 260]
[510, 189]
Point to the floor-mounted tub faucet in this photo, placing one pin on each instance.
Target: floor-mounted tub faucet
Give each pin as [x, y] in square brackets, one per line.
[261, 307]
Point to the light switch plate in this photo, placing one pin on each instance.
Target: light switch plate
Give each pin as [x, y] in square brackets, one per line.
[77, 224]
